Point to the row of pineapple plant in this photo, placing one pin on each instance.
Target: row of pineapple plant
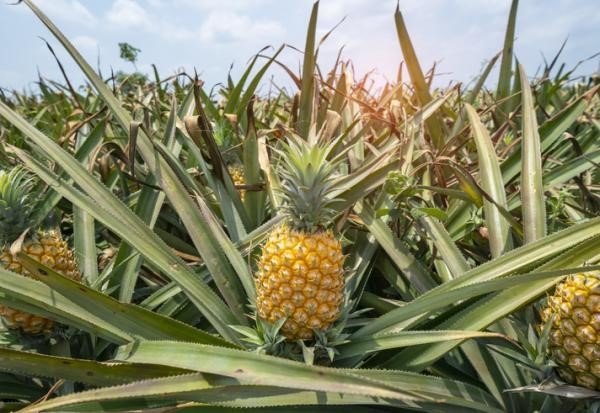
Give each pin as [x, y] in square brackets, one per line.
[375, 227]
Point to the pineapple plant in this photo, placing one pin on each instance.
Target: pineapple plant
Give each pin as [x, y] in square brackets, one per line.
[574, 341]
[300, 271]
[421, 284]
[17, 207]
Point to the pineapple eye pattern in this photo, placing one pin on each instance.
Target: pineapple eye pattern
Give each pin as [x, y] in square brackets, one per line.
[303, 286]
[574, 339]
[17, 206]
[50, 249]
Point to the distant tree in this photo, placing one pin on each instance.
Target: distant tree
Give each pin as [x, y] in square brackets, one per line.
[129, 53]
[129, 82]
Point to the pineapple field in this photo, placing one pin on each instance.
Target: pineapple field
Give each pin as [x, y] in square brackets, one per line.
[168, 247]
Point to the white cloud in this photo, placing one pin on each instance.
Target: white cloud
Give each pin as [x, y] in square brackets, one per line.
[229, 26]
[208, 5]
[210, 34]
[86, 45]
[221, 25]
[68, 10]
[483, 7]
[337, 9]
[128, 14]
[173, 32]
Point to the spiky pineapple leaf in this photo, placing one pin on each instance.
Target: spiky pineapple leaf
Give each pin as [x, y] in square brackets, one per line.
[404, 316]
[234, 280]
[532, 188]
[571, 168]
[128, 261]
[131, 318]
[505, 74]
[434, 124]
[84, 371]
[491, 309]
[446, 247]
[207, 390]
[51, 198]
[209, 305]
[307, 91]
[84, 234]
[248, 94]
[397, 339]
[253, 368]
[491, 182]
[414, 271]
[132, 230]
[549, 132]
[34, 297]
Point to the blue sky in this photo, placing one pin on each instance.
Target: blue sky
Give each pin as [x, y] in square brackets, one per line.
[208, 35]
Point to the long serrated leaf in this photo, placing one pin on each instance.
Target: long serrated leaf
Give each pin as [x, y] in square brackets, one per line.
[233, 255]
[210, 306]
[418, 276]
[127, 260]
[505, 74]
[447, 249]
[254, 83]
[51, 199]
[550, 131]
[491, 181]
[415, 72]
[134, 231]
[219, 254]
[491, 309]
[403, 316]
[307, 91]
[532, 188]
[131, 318]
[220, 391]
[28, 295]
[84, 234]
[79, 370]
[254, 368]
[366, 345]
[233, 97]
[572, 168]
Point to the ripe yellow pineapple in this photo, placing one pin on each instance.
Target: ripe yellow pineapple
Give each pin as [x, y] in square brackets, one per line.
[237, 174]
[574, 341]
[300, 271]
[48, 247]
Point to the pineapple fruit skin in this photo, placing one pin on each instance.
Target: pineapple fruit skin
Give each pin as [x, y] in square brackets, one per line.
[574, 341]
[301, 277]
[51, 250]
[237, 175]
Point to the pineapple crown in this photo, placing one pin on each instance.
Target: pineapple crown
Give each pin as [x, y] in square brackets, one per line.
[16, 203]
[308, 183]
